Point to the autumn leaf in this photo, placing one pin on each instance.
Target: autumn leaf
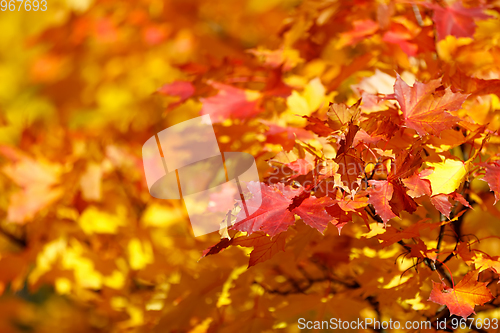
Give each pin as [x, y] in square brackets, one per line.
[483, 262]
[350, 165]
[230, 102]
[472, 85]
[464, 251]
[420, 250]
[340, 216]
[272, 215]
[401, 200]
[425, 109]
[340, 114]
[353, 204]
[264, 247]
[309, 100]
[456, 20]
[402, 37]
[302, 166]
[447, 176]
[492, 177]
[406, 163]
[286, 136]
[394, 235]
[341, 143]
[380, 196]
[460, 198]
[217, 248]
[361, 30]
[417, 186]
[318, 126]
[442, 203]
[313, 213]
[462, 298]
[181, 89]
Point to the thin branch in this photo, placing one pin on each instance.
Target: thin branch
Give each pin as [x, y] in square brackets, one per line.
[18, 241]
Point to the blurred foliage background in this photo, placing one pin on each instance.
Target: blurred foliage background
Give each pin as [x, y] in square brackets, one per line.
[83, 245]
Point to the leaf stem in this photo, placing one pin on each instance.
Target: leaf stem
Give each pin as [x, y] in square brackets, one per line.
[451, 276]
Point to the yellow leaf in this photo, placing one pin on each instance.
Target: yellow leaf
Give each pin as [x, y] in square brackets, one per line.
[140, 254]
[95, 221]
[483, 263]
[298, 104]
[116, 280]
[447, 176]
[63, 286]
[416, 303]
[157, 215]
[447, 48]
[309, 100]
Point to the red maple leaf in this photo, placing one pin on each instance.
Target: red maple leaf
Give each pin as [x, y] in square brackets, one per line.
[350, 166]
[230, 102]
[400, 199]
[456, 20]
[442, 204]
[492, 177]
[380, 196]
[393, 235]
[401, 36]
[302, 166]
[285, 136]
[425, 109]
[459, 198]
[313, 213]
[317, 126]
[361, 30]
[340, 216]
[417, 186]
[264, 247]
[182, 89]
[420, 250]
[271, 214]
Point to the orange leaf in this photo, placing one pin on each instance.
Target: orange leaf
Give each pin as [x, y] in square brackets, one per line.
[264, 247]
[418, 187]
[461, 299]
